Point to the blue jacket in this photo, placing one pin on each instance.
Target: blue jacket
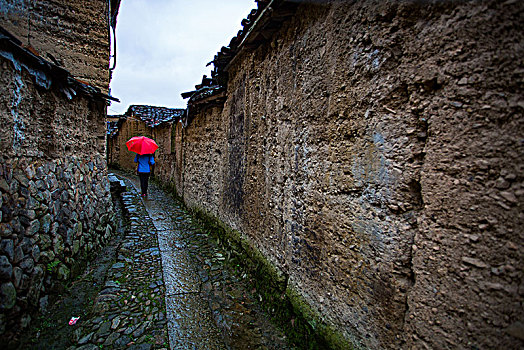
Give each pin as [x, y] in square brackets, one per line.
[144, 161]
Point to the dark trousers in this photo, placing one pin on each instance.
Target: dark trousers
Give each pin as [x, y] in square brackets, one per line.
[144, 180]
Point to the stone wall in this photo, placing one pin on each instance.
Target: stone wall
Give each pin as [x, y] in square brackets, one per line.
[55, 204]
[74, 32]
[372, 151]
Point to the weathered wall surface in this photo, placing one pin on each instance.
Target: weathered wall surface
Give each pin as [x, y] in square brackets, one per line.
[165, 156]
[55, 203]
[204, 147]
[373, 152]
[74, 32]
[117, 150]
[172, 171]
[118, 154]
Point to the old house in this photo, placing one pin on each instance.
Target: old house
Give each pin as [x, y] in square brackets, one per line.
[142, 120]
[56, 209]
[372, 153]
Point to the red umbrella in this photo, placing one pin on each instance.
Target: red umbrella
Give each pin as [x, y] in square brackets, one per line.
[141, 145]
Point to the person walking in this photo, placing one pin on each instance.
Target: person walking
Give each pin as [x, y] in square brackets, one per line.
[145, 161]
[145, 148]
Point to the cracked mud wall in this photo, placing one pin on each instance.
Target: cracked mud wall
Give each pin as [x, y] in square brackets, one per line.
[373, 152]
[73, 32]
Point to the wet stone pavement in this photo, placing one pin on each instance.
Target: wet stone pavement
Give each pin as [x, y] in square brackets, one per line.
[162, 283]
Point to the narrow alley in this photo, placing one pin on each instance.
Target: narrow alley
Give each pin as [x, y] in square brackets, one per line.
[161, 283]
[327, 174]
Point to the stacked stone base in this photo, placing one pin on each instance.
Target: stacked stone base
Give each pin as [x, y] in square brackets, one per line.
[54, 215]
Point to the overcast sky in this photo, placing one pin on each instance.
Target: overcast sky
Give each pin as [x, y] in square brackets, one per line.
[163, 47]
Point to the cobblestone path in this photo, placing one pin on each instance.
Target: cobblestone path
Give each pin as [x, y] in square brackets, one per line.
[162, 284]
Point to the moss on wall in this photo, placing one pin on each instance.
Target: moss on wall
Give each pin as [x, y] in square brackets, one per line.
[287, 308]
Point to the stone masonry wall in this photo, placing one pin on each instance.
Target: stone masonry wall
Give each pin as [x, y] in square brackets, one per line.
[373, 152]
[55, 203]
[74, 32]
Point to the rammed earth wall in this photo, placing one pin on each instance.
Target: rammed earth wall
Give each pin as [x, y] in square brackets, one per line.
[373, 152]
[119, 155]
[74, 32]
[56, 208]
